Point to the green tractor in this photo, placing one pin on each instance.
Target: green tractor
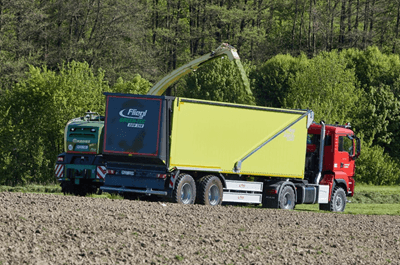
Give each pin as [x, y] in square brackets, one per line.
[81, 168]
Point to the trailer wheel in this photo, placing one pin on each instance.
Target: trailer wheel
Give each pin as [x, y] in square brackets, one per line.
[210, 191]
[337, 203]
[185, 189]
[287, 198]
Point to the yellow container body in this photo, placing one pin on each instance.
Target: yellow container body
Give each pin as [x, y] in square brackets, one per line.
[215, 136]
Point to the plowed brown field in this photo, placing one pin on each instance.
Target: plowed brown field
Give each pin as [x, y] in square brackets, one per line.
[55, 229]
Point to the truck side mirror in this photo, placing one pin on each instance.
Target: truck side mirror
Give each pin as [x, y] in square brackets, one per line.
[358, 147]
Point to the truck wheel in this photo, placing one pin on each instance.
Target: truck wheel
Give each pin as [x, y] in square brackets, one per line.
[337, 203]
[67, 187]
[287, 198]
[80, 190]
[210, 191]
[185, 190]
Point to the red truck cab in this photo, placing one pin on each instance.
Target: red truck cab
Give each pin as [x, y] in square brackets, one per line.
[340, 151]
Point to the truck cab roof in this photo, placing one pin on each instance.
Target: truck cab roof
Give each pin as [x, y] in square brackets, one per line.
[330, 129]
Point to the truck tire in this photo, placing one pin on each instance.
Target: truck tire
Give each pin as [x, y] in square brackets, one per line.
[210, 191]
[287, 198]
[80, 190]
[337, 203]
[67, 188]
[185, 190]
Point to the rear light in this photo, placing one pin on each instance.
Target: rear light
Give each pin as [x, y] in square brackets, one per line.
[60, 159]
[110, 171]
[271, 191]
[161, 176]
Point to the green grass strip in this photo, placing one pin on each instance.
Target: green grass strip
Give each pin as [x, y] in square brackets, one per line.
[357, 208]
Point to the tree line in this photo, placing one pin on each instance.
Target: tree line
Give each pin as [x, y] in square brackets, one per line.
[153, 37]
[336, 57]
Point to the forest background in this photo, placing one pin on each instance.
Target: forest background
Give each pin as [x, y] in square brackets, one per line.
[339, 58]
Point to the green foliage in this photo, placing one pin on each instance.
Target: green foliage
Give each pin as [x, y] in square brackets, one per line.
[271, 80]
[386, 190]
[356, 86]
[34, 114]
[368, 199]
[12, 69]
[179, 257]
[219, 80]
[112, 196]
[379, 117]
[326, 86]
[372, 67]
[32, 188]
[375, 197]
[155, 37]
[137, 85]
[152, 38]
[374, 166]
[21, 25]
[358, 208]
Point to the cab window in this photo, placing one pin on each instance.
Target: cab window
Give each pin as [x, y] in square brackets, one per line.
[314, 139]
[345, 144]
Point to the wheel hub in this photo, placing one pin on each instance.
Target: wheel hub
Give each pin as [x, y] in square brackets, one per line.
[339, 202]
[287, 200]
[186, 193]
[213, 195]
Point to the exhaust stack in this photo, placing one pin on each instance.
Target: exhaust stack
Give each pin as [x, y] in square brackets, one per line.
[321, 153]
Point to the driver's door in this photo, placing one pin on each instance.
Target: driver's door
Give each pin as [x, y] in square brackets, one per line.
[345, 154]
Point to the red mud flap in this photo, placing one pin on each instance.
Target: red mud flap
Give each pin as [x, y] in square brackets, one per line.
[271, 197]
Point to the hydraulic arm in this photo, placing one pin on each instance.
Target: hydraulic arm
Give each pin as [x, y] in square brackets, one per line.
[223, 49]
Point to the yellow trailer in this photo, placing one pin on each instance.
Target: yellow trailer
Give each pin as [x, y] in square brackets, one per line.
[204, 151]
[238, 139]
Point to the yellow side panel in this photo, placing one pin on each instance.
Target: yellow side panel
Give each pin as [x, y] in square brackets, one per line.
[216, 137]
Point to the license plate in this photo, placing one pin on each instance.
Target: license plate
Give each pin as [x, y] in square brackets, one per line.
[129, 173]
